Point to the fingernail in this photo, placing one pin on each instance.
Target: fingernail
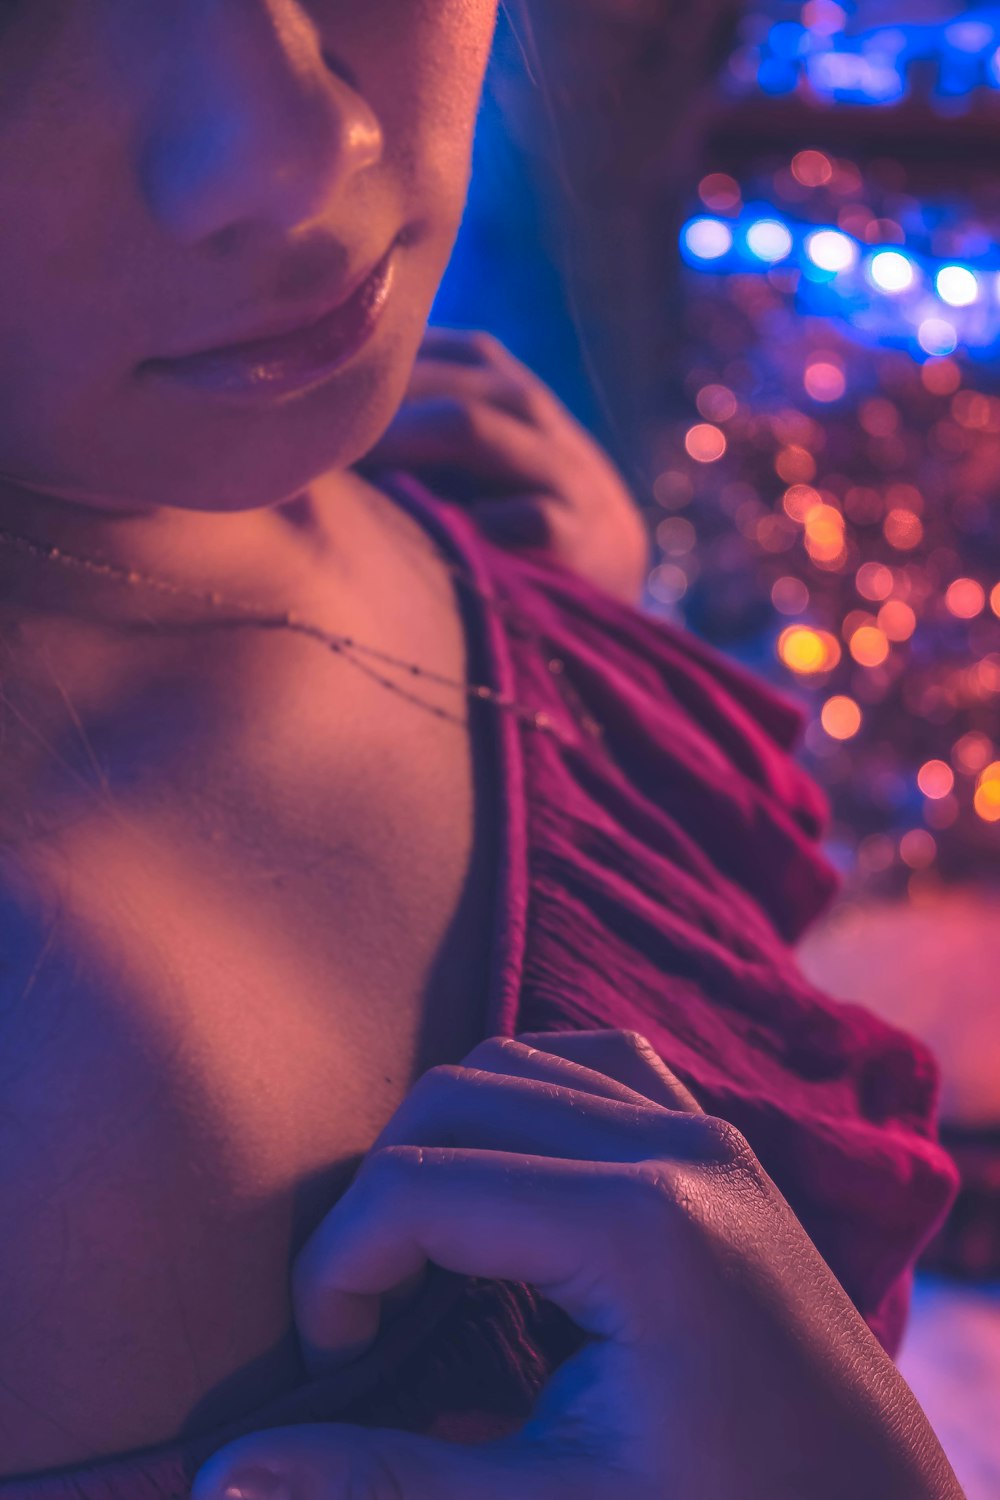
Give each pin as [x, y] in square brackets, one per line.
[256, 1484]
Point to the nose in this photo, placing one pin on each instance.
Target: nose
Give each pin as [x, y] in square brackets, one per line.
[255, 123]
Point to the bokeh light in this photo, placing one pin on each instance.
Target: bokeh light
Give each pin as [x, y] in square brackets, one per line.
[874, 580]
[795, 465]
[707, 239]
[841, 717]
[831, 250]
[896, 620]
[790, 596]
[720, 192]
[957, 285]
[891, 271]
[869, 646]
[769, 240]
[965, 598]
[824, 380]
[808, 651]
[941, 376]
[667, 583]
[812, 168]
[824, 534]
[705, 443]
[918, 849]
[972, 752]
[716, 403]
[935, 778]
[987, 797]
[937, 336]
[903, 529]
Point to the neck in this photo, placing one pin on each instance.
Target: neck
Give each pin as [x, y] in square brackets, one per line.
[260, 555]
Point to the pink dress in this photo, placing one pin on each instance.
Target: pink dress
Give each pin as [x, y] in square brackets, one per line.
[652, 878]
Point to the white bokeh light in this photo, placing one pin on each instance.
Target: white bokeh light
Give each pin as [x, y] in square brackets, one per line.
[831, 250]
[957, 285]
[891, 271]
[769, 240]
[937, 336]
[708, 239]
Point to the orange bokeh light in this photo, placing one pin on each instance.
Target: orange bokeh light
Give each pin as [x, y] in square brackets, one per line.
[987, 798]
[874, 581]
[824, 533]
[995, 600]
[841, 718]
[705, 443]
[936, 778]
[965, 598]
[807, 651]
[795, 465]
[869, 646]
[903, 529]
[897, 620]
[800, 500]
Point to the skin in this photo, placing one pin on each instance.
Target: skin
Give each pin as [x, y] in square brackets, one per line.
[344, 125]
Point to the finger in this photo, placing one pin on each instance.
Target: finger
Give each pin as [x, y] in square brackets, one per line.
[477, 437]
[623, 1055]
[554, 1223]
[472, 346]
[432, 379]
[344, 1461]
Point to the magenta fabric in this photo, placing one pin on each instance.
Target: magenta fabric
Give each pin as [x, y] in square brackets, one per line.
[652, 880]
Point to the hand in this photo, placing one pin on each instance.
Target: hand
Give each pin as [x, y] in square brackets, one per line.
[725, 1361]
[482, 429]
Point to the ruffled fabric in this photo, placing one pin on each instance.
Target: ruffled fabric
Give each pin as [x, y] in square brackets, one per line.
[656, 862]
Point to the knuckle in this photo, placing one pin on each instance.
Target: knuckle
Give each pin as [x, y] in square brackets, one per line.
[495, 1048]
[486, 345]
[724, 1142]
[650, 1188]
[636, 1042]
[529, 399]
[441, 1075]
[464, 419]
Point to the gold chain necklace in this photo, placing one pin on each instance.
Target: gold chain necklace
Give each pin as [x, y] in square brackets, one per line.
[344, 645]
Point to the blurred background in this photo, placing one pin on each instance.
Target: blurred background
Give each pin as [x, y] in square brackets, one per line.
[754, 245]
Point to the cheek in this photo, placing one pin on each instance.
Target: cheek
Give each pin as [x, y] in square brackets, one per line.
[429, 81]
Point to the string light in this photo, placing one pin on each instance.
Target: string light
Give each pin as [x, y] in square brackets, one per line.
[769, 240]
[957, 285]
[868, 580]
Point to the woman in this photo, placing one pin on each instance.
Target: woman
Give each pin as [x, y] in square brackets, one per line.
[253, 891]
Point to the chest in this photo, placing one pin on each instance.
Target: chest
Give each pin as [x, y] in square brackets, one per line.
[265, 905]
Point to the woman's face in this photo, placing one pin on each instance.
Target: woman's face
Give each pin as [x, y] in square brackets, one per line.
[174, 172]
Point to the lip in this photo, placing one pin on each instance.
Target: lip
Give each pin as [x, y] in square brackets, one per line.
[272, 363]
